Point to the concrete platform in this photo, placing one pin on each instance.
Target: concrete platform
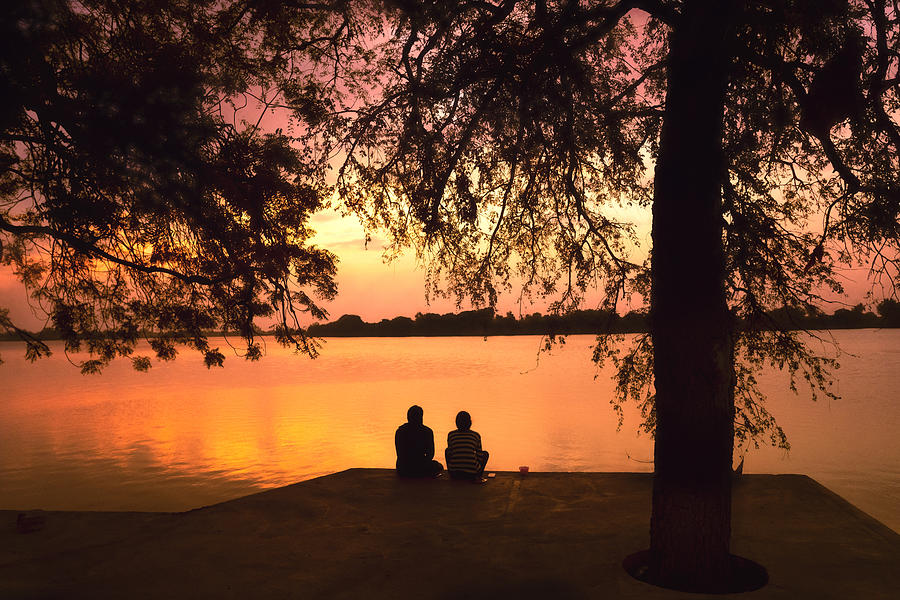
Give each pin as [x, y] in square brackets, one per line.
[364, 533]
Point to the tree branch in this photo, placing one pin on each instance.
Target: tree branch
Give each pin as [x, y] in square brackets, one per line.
[91, 250]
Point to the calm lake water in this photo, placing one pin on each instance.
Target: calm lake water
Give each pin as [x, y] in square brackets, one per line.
[181, 436]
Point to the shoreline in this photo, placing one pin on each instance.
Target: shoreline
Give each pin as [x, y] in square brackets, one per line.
[375, 334]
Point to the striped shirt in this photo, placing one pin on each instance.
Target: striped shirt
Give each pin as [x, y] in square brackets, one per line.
[461, 449]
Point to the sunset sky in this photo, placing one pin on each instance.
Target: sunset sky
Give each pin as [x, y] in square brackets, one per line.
[374, 290]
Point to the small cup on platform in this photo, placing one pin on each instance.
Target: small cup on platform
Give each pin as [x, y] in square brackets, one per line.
[523, 470]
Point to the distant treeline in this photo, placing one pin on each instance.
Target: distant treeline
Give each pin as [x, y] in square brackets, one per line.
[483, 322]
[487, 322]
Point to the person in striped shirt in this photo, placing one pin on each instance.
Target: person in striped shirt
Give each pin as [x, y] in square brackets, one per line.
[465, 458]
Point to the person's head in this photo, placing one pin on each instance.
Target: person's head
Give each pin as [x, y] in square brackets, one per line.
[414, 414]
[463, 420]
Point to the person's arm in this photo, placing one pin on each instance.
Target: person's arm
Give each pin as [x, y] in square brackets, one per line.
[429, 444]
[477, 441]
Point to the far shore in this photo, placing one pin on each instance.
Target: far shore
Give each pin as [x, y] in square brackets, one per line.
[488, 323]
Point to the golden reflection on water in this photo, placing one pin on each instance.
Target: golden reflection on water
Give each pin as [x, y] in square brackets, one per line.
[180, 436]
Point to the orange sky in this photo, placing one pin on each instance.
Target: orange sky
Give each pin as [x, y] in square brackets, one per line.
[374, 290]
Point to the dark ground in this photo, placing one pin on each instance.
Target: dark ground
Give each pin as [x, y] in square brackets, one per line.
[364, 533]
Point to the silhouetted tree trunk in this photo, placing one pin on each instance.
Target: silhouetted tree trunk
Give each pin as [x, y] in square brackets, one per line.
[690, 325]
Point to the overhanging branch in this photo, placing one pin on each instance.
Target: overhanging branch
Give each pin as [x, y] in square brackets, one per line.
[92, 250]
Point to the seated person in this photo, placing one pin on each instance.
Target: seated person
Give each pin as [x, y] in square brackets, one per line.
[415, 447]
[465, 458]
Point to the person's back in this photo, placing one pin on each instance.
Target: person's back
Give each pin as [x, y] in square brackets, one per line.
[414, 443]
[465, 458]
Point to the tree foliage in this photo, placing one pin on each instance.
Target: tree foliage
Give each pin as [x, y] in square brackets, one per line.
[512, 143]
[140, 192]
